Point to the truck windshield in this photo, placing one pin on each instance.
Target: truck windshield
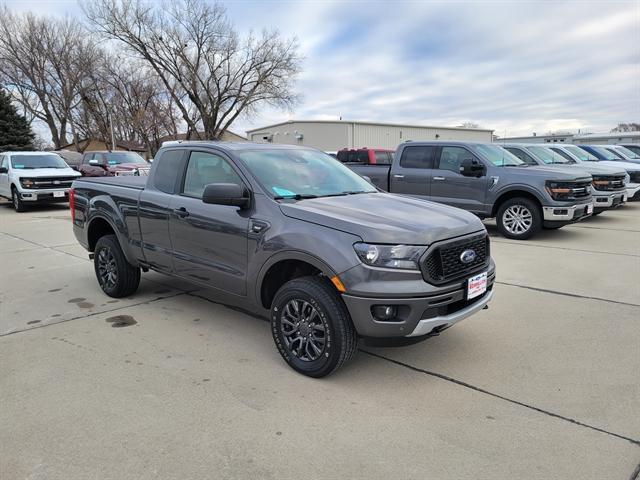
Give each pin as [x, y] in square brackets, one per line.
[46, 160]
[580, 153]
[547, 155]
[302, 173]
[499, 156]
[606, 154]
[116, 158]
[626, 152]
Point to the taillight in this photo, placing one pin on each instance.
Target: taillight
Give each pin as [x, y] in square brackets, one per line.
[72, 204]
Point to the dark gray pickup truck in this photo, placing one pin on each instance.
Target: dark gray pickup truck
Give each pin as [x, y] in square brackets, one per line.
[489, 181]
[295, 236]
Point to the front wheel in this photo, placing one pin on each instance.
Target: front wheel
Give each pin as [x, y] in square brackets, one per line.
[519, 218]
[117, 277]
[18, 204]
[311, 327]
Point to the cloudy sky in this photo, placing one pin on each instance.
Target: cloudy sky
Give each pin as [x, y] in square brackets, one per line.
[514, 66]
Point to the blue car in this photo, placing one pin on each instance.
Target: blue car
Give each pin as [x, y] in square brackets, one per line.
[602, 153]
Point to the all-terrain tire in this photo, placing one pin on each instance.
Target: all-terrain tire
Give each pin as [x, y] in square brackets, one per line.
[320, 319]
[519, 218]
[117, 277]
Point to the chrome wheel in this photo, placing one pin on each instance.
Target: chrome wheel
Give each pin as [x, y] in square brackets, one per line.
[517, 219]
[107, 268]
[303, 330]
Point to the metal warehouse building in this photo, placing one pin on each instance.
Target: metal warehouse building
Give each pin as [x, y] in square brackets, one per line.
[332, 135]
[584, 138]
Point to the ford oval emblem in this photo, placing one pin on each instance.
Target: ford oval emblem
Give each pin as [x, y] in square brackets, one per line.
[468, 256]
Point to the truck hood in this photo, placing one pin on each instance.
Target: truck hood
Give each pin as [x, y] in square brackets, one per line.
[591, 169]
[127, 167]
[549, 172]
[386, 218]
[46, 172]
[626, 166]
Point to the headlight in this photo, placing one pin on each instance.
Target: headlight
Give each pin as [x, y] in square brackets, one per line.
[390, 256]
[27, 182]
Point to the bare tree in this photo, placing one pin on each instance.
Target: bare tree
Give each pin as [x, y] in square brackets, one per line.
[626, 127]
[211, 75]
[42, 62]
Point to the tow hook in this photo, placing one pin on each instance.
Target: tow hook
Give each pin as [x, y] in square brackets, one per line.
[91, 255]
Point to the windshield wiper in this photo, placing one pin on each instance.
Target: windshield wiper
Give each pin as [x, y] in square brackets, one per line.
[356, 192]
[296, 196]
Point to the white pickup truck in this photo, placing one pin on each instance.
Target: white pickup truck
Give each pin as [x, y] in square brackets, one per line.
[29, 178]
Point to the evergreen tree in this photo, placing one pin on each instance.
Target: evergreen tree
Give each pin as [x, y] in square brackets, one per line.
[15, 131]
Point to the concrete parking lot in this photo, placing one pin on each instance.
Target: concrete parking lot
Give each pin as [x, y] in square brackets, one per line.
[172, 384]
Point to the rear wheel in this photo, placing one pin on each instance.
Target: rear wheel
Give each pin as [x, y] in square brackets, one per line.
[18, 205]
[117, 277]
[311, 327]
[519, 218]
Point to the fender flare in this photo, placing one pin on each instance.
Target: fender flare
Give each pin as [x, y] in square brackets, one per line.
[289, 255]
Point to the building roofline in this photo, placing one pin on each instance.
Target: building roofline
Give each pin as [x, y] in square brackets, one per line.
[384, 124]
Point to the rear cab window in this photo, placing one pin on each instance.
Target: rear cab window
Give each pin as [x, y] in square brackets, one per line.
[418, 157]
[168, 168]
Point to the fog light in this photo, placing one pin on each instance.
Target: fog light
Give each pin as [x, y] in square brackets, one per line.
[559, 211]
[384, 312]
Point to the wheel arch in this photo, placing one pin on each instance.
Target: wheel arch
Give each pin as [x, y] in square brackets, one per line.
[285, 266]
[514, 193]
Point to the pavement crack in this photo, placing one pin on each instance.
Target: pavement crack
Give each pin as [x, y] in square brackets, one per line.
[93, 314]
[636, 473]
[566, 294]
[506, 399]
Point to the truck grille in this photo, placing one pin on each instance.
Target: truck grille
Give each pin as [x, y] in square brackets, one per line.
[51, 182]
[443, 263]
[608, 182]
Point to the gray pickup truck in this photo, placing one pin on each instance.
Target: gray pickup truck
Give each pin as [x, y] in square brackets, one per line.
[294, 235]
[488, 181]
[607, 188]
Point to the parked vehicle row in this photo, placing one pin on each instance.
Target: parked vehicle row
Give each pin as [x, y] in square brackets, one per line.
[294, 235]
[488, 181]
[608, 183]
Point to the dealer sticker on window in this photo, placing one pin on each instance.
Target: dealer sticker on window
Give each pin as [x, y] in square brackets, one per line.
[477, 285]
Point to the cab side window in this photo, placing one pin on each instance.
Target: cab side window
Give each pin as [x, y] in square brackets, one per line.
[4, 162]
[417, 157]
[205, 168]
[87, 158]
[451, 158]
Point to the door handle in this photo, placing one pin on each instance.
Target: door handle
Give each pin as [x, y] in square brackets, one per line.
[441, 179]
[181, 212]
[398, 176]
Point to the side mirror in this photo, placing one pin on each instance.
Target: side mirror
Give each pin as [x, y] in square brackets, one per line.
[471, 168]
[4, 170]
[368, 179]
[226, 194]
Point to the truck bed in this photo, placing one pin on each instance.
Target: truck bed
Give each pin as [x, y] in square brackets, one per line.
[129, 181]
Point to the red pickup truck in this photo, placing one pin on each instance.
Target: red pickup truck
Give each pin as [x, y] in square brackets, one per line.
[367, 156]
[111, 164]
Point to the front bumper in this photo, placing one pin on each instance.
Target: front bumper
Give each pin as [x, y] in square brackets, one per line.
[568, 214]
[605, 200]
[417, 316]
[633, 191]
[45, 195]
